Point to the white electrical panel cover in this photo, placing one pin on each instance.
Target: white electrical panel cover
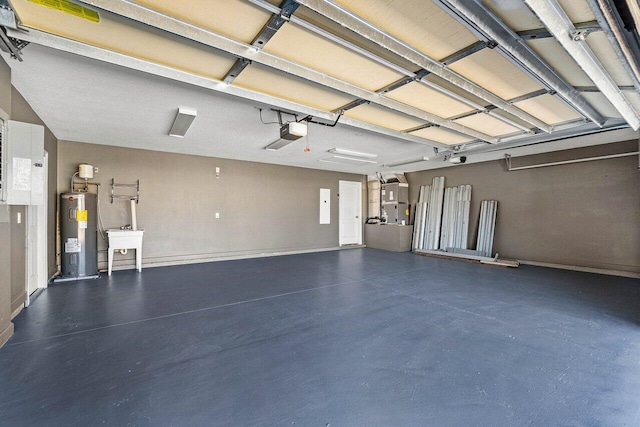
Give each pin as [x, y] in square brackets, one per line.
[24, 178]
[325, 206]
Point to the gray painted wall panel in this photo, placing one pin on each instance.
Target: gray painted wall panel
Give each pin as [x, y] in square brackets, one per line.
[263, 208]
[18, 259]
[585, 214]
[5, 87]
[6, 327]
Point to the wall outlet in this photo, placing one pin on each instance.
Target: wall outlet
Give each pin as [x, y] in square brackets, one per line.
[95, 169]
[217, 215]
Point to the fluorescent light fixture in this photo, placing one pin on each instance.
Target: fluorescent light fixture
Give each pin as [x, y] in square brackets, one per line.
[293, 130]
[278, 144]
[406, 162]
[347, 160]
[183, 120]
[352, 153]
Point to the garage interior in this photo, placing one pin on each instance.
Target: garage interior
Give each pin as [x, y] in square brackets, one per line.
[264, 298]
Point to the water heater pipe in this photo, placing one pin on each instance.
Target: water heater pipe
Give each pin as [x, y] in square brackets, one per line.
[134, 217]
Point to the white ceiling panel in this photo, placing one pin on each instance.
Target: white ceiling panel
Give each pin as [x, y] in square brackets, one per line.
[493, 71]
[421, 96]
[442, 135]
[554, 54]
[127, 37]
[420, 23]
[330, 58]
[577, 10]
[514, 13]
[601, 47]
[265, 80]
[600, 102]
[219, 16]
[383, 117]
[549, 109]
[487, 124]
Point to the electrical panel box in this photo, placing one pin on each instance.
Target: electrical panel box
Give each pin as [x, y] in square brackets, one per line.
[22, 164]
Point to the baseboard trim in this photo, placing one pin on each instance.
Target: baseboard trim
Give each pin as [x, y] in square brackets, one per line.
[6, 334]
[620, 273]
[182, 260]
[18, 301]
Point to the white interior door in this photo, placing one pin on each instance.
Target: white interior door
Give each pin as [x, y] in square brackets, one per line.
[350, 208]
[36, 249]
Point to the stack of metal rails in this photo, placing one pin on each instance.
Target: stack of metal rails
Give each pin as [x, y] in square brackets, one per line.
[455, 217]
[487, 227]
[442, 216]
[441, 224]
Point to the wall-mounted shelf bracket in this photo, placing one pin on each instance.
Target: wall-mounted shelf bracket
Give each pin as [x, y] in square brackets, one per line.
[114, 186]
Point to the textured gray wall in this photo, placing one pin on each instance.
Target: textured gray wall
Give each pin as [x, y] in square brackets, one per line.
[585, 214]
[18, 261]
[6, 327]
[263, 208]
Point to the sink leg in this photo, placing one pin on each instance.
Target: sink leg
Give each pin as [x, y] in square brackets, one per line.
[110, 260]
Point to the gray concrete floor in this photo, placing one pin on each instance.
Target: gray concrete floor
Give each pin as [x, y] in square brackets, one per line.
[347, 338]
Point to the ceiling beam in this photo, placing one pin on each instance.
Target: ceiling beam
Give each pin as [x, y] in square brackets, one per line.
[607, 17]
[269, 30]
[542, 33]
[334, 38]
[104, 55]
[568, 130]
[411, 76]
[530, 95]
[559, 24]
[192, 32]
[351, 105]
[364, 28]
[595, 88]
[469, 50]
[481, 20]
[9, 44]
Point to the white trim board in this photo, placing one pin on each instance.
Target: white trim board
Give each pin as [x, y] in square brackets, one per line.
[170, 261]
[619, 273]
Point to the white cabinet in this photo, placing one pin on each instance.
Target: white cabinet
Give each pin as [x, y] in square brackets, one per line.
[23, 164]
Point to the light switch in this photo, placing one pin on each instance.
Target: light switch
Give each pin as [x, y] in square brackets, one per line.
[19, 218]
[325, 206]
[217, 215]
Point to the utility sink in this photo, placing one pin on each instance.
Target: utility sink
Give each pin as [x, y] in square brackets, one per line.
[125, 239]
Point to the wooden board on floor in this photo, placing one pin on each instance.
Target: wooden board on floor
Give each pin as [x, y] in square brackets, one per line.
[468, 258]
